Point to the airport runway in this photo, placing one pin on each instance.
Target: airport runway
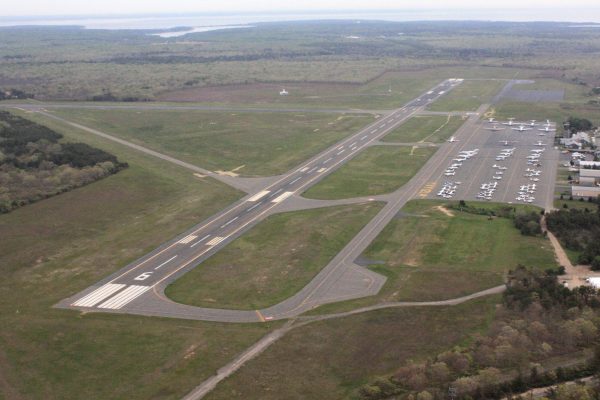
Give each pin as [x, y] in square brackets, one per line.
[138, 288]
[39, 105]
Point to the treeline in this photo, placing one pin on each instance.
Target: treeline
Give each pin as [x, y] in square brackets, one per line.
[528, 223]
[539, 319]
[14, 94]
[579, 124]
[578, 230]
[34, 165]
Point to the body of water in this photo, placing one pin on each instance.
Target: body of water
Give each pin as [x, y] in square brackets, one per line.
[205, 22]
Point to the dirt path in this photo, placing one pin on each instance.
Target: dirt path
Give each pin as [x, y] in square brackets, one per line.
[256, 349]
[445, 211]
[575, 275]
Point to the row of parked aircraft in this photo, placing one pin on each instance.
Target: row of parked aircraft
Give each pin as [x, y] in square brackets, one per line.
[520, 126]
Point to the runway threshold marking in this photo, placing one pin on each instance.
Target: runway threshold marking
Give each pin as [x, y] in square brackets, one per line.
[98, 295]
[259, 195]
[260, 316]
[125, 297]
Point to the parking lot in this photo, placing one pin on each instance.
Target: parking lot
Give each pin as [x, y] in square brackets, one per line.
[501, 161]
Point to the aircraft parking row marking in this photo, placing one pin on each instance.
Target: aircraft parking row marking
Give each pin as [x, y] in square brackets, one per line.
[125, 297]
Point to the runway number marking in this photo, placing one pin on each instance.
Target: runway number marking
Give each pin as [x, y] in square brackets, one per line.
[425, 190]
[143, 277]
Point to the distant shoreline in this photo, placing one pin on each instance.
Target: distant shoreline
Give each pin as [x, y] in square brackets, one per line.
[198, 21]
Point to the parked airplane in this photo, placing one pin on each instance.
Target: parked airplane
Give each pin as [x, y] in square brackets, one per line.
[492, 120]
[452, 139]
[511, 122]
[540, 143]
[494, 128]
[547, 128]
[521, 128]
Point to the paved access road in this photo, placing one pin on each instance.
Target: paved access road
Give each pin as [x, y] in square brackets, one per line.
[138, 288]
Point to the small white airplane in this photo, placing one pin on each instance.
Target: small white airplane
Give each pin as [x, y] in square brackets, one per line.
[492, 120]
[540, 143]
[283, 92]
[511, 122]
[532, 123]
[452, 139]
[494, 128]
[521, 128]
[547, 128]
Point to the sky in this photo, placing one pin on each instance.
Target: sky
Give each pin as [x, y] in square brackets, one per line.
[11, 8]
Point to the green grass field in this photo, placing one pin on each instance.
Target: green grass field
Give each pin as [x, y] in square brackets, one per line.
[428, 255]
[56, 247]
[251, 143]
[377, 170]
[274, 260]
[425, 128]
[468, 96]
[330, 359]
[574, 104]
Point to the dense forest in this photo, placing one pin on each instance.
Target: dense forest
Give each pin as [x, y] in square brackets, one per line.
[578, 230]
[539, 320]
[34, 164]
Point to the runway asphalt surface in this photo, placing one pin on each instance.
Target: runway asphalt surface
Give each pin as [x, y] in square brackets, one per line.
[139, 287]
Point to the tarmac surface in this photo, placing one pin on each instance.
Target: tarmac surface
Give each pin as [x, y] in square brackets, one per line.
[473, 178]
[139, 287]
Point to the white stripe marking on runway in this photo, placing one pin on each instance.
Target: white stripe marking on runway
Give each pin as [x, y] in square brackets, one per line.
[125, 297]
[364, 137]
[187, 239]
[304, 169]
[98, 295]
[282, 197]
[229, 222]
[215, 241]
[340, 152]
[205, 237]
[329, 159]
[166, 262]
[322, 170]
[295, 180]
[259, 195]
